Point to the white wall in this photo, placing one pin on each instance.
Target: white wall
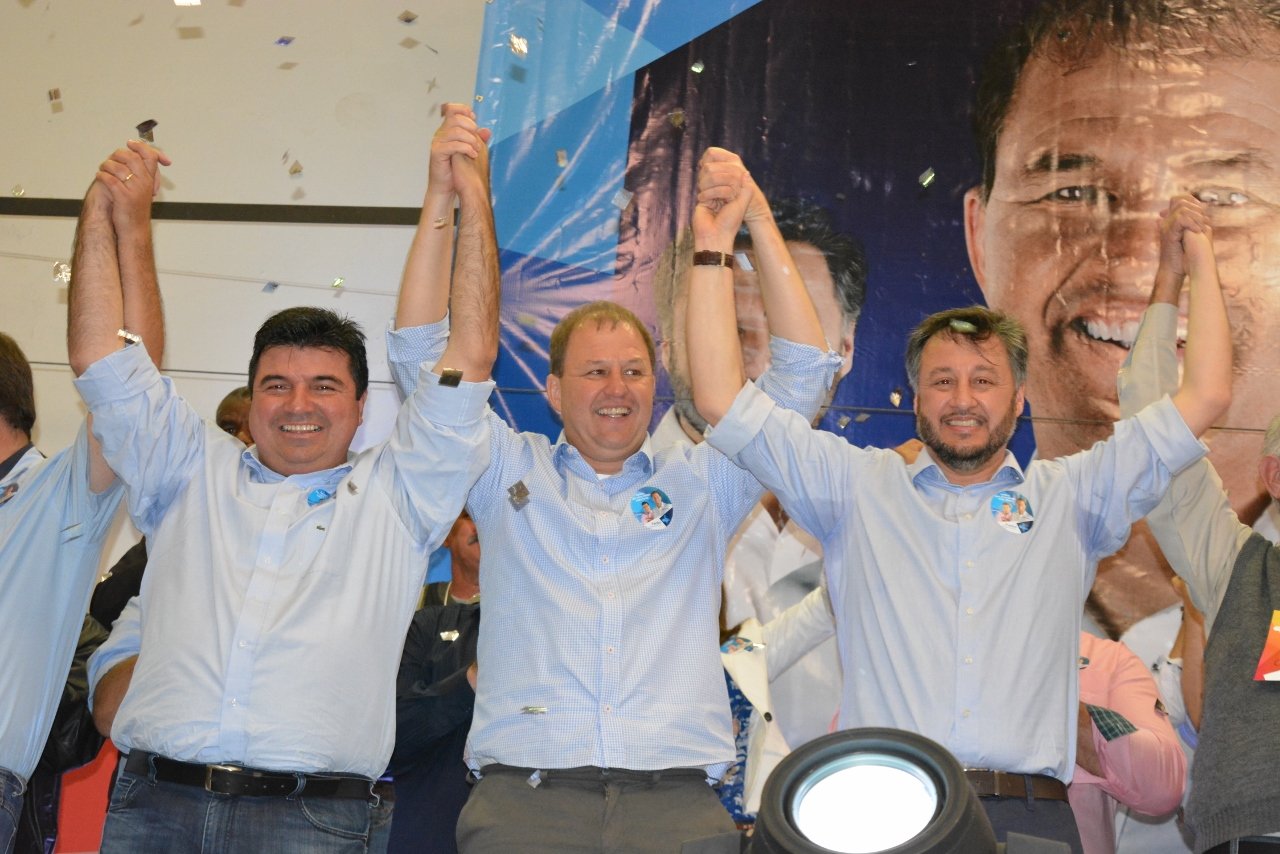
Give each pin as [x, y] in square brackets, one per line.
[357, 111]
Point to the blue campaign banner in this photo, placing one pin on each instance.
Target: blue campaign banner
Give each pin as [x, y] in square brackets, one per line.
[1089, 121]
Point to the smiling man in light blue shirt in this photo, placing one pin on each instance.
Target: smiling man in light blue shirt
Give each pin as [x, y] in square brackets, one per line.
[281, 578]
[952, 623]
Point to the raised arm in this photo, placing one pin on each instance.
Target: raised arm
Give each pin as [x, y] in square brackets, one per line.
[1205, 392]
[459, 170]
[727, 196]
[131, 217]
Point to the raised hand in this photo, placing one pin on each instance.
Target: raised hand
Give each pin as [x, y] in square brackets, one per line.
[727, 197]
[129, 176]
[459, 153]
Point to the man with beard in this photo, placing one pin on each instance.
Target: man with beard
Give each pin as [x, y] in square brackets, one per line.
[1088, 117]
[951, 624]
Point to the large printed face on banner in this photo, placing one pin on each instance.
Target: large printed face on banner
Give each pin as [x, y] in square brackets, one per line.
[1068, 242]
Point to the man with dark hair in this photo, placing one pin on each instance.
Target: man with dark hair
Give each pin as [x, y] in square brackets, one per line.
[54, 513]
[282, 576]
[601, 710]
[992, 674]
[232, 416]
[772, 563]
[1089, 116]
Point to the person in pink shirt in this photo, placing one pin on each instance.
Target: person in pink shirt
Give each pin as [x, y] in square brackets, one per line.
[1127, 751]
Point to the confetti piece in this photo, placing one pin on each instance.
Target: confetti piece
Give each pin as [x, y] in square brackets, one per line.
[451, 377]
[562, 158]
[186, 2]
[55, 94]
[895, 397]
[61, 272]
[964, 327]
[56, 107]
[622, 198]
[287, 66]
[136, 21]
[408, 43]
[284, 41]
[843, 421]
[676, 117]
[338, 282]
[407, 17]
[270, 287]
[519, 45]
[190, 32]
[862, 417]
[296, 168]
[525, 318]
[18, 191]
[926, 177]
[432, 84]
[744, 261]
[698, 67]
[479, 99]
[298, 194]
[146, 130]
[430, 48]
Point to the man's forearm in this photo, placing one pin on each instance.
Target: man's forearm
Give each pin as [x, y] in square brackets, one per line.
[473, 301]
[109, 693]
[787, 303]
[95, 305]
[143, 308]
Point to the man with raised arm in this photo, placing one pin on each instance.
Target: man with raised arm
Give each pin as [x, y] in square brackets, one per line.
[54, 512]
[951, 623]
[283, 576]
[601, 710]
[1233, 575]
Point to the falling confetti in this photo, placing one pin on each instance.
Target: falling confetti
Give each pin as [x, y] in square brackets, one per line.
[698, 67]
[18, 191]
[519, 45]
[479, 99]
[147, 130]
[55, 94]
[270, 287]
[407, 17]
[528, 319]
[287, 66]
[338, 282]
[298, 194]
[284, 41]
[676, 117]
[926, 177]
[622, 198]
[562, 158]
[186, 2]
[190, 32]
[744, 261]
[432, 84]
[296, 168]
[408, 43]
[62, 272]
[843, 421]
[895, 397]
[863, 417]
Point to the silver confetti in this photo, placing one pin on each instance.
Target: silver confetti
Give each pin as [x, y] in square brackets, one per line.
[338, 282]
[622, 198]
[270, 287]
[61, 272]
[926, 177]
[407, 17]
[895, 397]
[698, 67]
[519, 45]
[18, 191]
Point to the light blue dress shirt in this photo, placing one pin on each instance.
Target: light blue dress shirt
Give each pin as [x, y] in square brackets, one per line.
[272, 627]
[51, 533]
[599, 644]
[951, 622]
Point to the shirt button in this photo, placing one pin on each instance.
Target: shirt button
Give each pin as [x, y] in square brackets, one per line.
[965, 713]
[604, 559]
[968, 659]
[969, 611]
[608, 710]
[235, 702]
[602, 513]
[968, 516]
[610, 595]
[609, 650]
[968, 564]
[242, 644]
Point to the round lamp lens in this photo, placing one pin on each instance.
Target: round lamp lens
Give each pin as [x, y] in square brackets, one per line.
[865, 802]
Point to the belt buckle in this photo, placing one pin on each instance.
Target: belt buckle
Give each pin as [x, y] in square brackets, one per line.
[208, 776]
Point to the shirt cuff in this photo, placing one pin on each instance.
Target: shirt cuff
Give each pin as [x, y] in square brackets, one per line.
[114, 376]
[742, 422]
[1170, 437]
[452, 406]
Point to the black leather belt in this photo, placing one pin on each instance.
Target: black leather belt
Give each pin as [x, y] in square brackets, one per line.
[250, 782]
[1248, 845]
[1001, 784]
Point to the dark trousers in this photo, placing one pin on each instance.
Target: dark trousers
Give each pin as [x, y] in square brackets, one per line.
[1047, 819]
[586, 810]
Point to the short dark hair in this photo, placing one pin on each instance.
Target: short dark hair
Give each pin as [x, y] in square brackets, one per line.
[307, 326]
[975, 323]
[17, 389]
[801, 221]
[603, 312]
[1071, 33]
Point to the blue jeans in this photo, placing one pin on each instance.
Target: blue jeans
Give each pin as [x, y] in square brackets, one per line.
[11, 788]
[170, 818]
